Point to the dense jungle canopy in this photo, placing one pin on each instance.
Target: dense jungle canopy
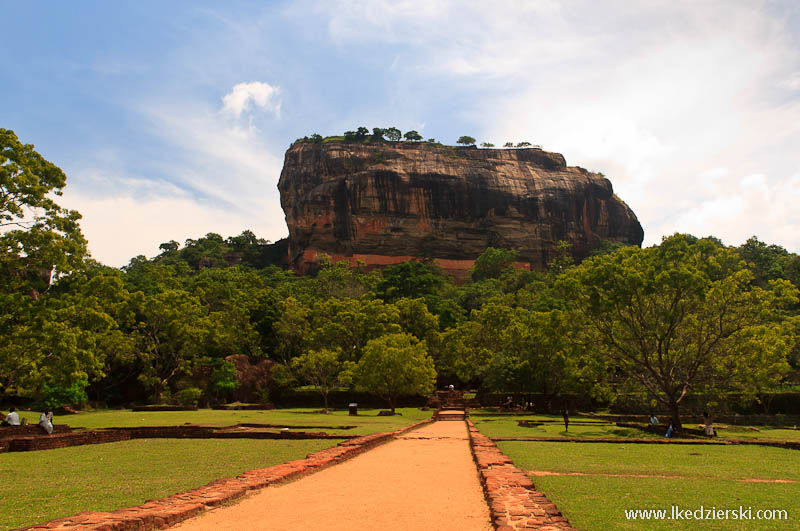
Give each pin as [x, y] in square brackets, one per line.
[687, 317]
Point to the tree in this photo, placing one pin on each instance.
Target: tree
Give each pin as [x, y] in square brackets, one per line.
[223, 379]
[523, 144]
[766, 261]
[64, 341]
[508, 145]
[39, 240]
[172, 329]
[412, 136]
[316, 138]
[321, 369]
[361, 133]
[487, 144]
[393, 134]
[377, 133]
[349, 324]
[410, 279]
[682, 318]
[466, 140]
[394, 365]
[292, 329]
[493, 262]
[539, 352]
[431, 140]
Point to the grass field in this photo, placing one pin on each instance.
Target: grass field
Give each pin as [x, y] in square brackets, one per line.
[761, 432]
[39, 486]
[505, 425]
[366, 421]
[495, 425]
[687, 476]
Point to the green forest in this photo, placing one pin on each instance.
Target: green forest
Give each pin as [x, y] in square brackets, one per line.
[214, 320]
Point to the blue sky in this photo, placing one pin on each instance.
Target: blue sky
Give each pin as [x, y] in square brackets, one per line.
[171, 118]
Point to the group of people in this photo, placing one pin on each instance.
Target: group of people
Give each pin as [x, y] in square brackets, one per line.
[708, 426]
[13, 419]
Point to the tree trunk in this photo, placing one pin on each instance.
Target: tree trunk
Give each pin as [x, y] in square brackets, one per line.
[675, 415]
[392, 402]
[325, 400]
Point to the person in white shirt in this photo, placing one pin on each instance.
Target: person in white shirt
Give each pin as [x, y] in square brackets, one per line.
[46, 421]
[12, 419]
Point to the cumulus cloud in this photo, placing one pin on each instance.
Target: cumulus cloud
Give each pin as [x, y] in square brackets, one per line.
[257, 93]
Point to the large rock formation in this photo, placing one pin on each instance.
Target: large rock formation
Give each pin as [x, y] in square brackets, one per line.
[384, 203]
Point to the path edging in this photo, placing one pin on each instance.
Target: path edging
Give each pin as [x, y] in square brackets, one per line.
[168, 511]
[513, 502]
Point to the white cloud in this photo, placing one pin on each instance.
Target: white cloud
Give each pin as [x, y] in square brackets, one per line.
[122, 226]
[220, 176]
[260, 94]
[653, 95]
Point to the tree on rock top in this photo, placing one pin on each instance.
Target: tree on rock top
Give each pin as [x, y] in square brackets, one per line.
[394, 365]
[466, 140]
[413, 136]
[393, 134]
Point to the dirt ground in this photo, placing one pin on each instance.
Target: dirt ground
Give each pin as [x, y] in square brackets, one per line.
[423, 480]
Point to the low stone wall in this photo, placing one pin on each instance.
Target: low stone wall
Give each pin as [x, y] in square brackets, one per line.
[237, 407]
[42, 441]
[164, 408]
[165, 512]
[513, 501]
[7, 432]
[789, 445]
[50, 442]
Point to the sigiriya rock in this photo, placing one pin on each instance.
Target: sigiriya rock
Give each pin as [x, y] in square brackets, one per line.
[387, 202]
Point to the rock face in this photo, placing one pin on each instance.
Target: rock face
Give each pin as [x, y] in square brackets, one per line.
[385, 203]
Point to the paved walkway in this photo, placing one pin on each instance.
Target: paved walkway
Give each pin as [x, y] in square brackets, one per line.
[425, 479]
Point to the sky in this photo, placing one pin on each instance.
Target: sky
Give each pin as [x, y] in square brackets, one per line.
[171, 119]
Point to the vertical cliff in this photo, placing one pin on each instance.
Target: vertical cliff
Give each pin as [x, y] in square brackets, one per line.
[384, 203]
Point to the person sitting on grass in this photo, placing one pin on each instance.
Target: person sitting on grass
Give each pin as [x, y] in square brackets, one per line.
[670, 430]
[653, 419]
[46, 421]
[708, 427]
[12, 419]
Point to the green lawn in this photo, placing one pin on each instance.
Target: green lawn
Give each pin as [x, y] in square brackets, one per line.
[708, 476]
[39, 486]
[366, 422]
[731, 431]
[495, 425]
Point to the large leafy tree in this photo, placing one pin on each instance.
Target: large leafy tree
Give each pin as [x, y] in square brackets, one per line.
[395, 365]
[43, 339]
[39, 238]
[172, 329]
[320, 368]
[682, 318]
[350, 323]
